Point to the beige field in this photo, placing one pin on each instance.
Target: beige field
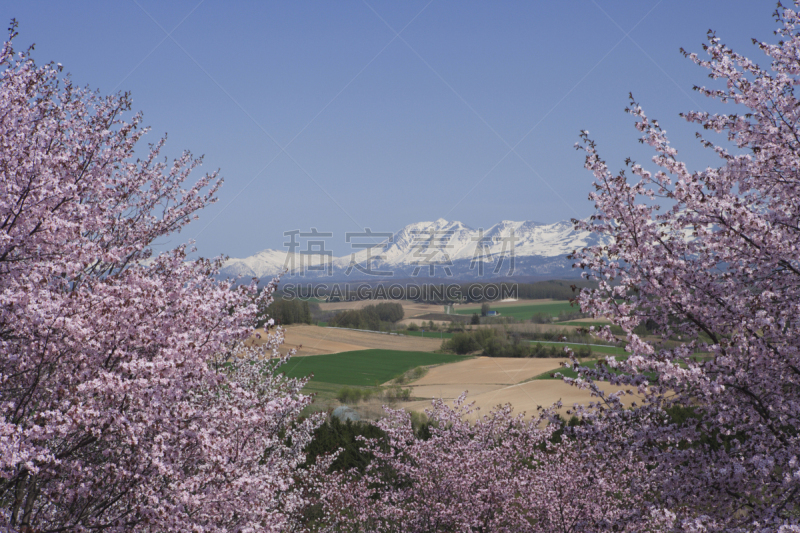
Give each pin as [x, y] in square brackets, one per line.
[422, 322]
[590, 320]
[508, 303]
[524, 397]
[488, 381]
[493, 381]
[495, 371]
[314, 340]
[410, 309]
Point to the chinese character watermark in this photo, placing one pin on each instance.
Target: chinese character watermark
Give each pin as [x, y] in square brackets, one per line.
[427, 245]
[364, 262]
[315, 248]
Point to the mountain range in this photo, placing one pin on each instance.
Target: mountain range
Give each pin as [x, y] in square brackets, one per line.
[440, 249]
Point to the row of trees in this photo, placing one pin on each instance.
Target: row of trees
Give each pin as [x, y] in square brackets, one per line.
[563, 316]
[557, 290]
[285, 312]
[376, 317]
[500, 343]
[130, 401]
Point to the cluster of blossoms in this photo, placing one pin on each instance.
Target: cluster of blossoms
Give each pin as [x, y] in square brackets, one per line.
[502, 473]
[128, 399]
[711, 258]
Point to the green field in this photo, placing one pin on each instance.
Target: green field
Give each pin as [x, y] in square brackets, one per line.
[569, 373]
[613, 350]
[525, 312]
[587, 325]
[428, 334]
[609, 350]
[362, 368]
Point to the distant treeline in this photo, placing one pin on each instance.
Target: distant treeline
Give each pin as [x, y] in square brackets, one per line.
[577, 336]
[286, 312]
[557, 290]
[563, 316]
[375, 317]
[498, 343]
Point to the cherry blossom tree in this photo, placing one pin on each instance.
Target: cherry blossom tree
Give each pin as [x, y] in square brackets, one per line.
[128, 397]
[711, 259]
[502, 473]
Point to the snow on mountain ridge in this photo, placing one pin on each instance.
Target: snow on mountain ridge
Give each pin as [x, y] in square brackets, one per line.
[415, 246]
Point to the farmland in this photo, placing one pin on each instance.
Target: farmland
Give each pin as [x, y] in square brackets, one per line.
[339, 358]
[600, 349]
[489, 381]
[585, 323]
[315, 340]
[525, 312]
[363, 368]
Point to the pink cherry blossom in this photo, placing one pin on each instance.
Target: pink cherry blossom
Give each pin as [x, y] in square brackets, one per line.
[502, 473]
[129, 401]
[709, 257]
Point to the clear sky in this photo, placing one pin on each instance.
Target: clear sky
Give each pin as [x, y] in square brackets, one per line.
[343, 115]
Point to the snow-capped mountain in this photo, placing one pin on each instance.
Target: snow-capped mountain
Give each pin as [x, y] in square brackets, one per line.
[264, 264]
[439, 249]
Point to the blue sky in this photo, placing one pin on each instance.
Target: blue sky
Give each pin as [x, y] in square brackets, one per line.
[353, 114]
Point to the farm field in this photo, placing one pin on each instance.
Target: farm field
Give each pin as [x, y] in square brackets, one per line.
[315, 340]
[526, 397]
[410, 308]
[524, 312]
[341, 358]
[612, 350]
[476, 306]
[363, 368]
[491, 381]
[448, 381]
[585, 323]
